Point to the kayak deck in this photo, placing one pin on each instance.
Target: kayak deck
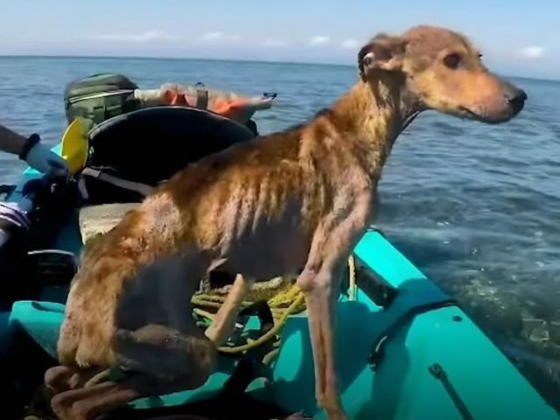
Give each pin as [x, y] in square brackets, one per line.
[430, 361]
[401, 387]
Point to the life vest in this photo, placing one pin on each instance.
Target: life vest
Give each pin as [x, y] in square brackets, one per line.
[238, 109]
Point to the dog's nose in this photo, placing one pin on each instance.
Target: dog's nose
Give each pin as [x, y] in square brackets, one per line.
[517, 99]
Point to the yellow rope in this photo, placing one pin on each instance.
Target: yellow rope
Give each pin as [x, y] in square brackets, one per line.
[205, 314]
[269, 334]
[98, 378]
[352, 277]
[282, 305]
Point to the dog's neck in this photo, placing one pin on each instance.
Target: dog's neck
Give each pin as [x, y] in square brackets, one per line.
[373, 114]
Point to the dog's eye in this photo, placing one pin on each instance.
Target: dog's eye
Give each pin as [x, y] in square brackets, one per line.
[452, 60]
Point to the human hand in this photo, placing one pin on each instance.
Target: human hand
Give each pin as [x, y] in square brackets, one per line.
[44, 160]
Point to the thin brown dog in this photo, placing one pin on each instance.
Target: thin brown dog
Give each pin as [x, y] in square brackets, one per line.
[298, 198]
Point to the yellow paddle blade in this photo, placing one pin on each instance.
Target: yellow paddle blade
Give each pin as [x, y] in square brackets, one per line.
[75, 146]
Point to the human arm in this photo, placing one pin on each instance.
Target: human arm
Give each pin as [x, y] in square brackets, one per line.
[32, 151]
[10, 141]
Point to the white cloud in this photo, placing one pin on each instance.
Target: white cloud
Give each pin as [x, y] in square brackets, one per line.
[147, 36]
[531, 52]
[212, 36]
[319, 40]
[219, 36]
[274, 43]
[350, 43]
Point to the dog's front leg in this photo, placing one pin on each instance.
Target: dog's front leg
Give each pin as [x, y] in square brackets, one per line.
[320, 282]
[320, 294]
[224, 323]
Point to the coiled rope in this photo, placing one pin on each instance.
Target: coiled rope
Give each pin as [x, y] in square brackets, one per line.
[282, 305]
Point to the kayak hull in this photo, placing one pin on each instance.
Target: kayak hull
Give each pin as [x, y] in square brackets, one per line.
[400, 386]
[422, 329]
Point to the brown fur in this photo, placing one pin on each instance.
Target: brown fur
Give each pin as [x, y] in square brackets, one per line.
[298, 198]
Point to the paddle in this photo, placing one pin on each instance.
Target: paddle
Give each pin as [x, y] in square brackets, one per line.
[75, 146]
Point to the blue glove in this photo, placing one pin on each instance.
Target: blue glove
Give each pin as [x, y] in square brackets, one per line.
[44, 160]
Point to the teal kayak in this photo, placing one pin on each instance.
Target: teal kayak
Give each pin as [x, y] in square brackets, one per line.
[405, 349]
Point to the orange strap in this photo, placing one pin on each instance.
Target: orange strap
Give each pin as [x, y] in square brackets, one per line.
[234, 109]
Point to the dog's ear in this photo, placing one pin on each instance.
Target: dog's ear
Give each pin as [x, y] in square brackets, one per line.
[383, 52]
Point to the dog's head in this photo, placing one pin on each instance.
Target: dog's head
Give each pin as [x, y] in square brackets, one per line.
[441, 70]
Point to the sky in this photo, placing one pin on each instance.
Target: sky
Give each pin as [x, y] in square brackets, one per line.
[518, 38]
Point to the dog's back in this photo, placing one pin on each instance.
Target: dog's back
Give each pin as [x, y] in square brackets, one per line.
[235, 203]
[258, 204]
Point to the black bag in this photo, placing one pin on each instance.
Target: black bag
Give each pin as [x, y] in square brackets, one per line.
[99, 97]
[134, 152]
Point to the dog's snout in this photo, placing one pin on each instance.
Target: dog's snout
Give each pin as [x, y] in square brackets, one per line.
[516, 99]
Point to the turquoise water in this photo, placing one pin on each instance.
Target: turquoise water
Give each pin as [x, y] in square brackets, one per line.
[476, 207]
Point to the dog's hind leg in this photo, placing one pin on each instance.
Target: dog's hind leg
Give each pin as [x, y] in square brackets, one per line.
[89, 403]
[93, 402]
[224, 323]
[57, 378]
[63, 378]
[155, 360]
[157, 344]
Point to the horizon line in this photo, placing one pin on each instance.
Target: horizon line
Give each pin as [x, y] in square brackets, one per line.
[240, 60]
[177, 58]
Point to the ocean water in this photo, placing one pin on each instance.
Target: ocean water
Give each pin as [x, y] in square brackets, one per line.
[476, 207]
